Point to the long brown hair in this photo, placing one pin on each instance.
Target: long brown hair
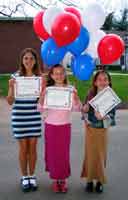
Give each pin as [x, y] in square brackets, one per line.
[93, 91]
[36, 68]
[94, 87]
[50, 81]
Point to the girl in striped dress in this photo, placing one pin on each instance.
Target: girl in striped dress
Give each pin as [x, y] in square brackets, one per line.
[26, 120]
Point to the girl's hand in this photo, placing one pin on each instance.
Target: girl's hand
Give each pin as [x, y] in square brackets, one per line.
[98, 116]
[75, 96]
[85, 108]
[11, 83]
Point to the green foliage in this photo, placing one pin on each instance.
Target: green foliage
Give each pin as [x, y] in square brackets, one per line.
[119, 82]
[108, 22]
[4, 85]
[120, 85]
[122, 23]
[117, 23]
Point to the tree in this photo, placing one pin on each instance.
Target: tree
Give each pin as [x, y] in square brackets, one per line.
[117, 21]
[122, 23]
[108, 25]
[22, 7]
[8, 11]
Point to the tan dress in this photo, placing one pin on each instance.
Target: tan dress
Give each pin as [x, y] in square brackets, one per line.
[95, 154]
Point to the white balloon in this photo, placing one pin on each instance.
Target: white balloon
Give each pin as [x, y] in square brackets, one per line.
[93, 16]
[94, 41]
[49, 16]
[67, 59]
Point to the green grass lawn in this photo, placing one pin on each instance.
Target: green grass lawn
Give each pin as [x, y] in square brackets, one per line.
[119, 82]
[4, 85]
[120, 85]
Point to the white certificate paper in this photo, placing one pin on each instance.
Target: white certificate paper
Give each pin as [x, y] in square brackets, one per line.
[27, 87]
[105, 101]
[58, 98]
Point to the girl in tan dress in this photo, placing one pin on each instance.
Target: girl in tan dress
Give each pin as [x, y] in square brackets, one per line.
[96, 129]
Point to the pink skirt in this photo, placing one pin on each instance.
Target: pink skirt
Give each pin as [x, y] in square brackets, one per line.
[57, 150]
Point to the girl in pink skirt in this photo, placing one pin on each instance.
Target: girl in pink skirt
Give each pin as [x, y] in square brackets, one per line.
[58, 132]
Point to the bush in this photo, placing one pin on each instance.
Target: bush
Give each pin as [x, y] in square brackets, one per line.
[110, 67]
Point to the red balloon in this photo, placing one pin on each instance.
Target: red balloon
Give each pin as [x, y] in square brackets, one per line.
[38, 26]
[74, 11]
[65, 29]
[110, 48]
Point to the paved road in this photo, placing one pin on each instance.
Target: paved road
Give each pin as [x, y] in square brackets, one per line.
[117, 187]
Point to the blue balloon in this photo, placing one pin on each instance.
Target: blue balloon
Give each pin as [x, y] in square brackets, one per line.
[51, 54]
[80, 43]
[84, 66]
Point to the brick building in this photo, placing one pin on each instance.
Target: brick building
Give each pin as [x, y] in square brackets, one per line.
[15, 35]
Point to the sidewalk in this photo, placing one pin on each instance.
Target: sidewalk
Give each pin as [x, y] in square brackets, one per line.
[117, 165]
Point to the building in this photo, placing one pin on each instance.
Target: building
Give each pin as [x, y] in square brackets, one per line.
[15, 35]
[126, 50]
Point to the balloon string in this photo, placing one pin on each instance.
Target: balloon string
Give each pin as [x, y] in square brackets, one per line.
[102, 66]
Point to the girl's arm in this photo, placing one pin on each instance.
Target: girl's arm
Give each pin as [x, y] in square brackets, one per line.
[10, 98]
[85, 107]
[76, 103]
[42, 94]
[40, 105]
[43, 86]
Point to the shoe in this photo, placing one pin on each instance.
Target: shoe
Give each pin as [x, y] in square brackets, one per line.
[56, 186]
[63, 186]
[25, 184]
[33, 183]
[99, 187]
[89, 187]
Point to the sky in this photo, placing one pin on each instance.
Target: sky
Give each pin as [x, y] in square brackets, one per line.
[109, 5]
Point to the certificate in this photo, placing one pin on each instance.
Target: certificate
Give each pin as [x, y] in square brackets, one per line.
[27, 87]
[58, 98]
[105, 101]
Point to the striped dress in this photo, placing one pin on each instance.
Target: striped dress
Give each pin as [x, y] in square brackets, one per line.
[26, 120]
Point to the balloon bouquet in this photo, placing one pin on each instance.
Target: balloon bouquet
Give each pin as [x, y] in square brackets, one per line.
[76, 33]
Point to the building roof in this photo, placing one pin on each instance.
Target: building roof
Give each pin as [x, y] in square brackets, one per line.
[16, 19]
